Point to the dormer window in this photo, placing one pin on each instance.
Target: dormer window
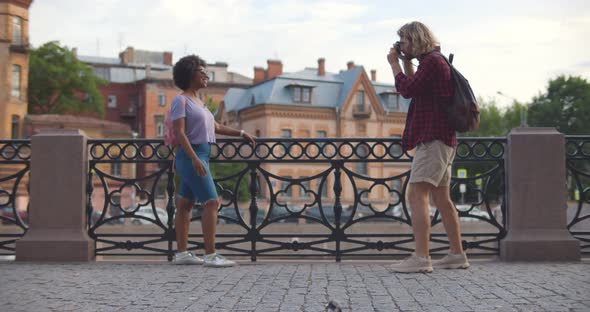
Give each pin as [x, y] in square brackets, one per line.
[392, 101]
[301, 93]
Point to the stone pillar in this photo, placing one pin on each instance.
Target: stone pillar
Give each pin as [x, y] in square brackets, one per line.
[537, 198]
[57, 217]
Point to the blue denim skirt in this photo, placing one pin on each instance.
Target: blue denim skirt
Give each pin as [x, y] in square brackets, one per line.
[193, 187]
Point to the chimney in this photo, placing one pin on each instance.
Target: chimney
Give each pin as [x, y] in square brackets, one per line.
[167, 58]
[373, 75]
[258, 75]
[275, 68]
[350, 65]
[321, 67]
[127, 56]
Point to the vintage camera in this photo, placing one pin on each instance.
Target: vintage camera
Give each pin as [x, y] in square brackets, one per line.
[397, 45]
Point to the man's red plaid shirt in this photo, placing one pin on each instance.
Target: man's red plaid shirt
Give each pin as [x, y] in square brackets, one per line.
[430, 89]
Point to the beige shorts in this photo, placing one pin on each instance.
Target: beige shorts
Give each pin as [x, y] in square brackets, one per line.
[432, 163]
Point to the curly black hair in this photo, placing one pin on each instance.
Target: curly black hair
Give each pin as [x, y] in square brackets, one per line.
[184, 70]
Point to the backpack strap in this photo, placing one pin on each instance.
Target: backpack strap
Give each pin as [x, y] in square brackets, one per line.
[449, 60]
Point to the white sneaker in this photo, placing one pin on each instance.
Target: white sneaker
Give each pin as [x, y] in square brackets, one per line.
[413, 264]
[186, 257]
[458, 261]
[216, 260]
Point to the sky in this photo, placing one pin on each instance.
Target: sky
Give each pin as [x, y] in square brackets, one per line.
[513, 47]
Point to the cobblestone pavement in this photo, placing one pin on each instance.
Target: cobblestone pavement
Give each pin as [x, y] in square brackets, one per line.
[302, 286]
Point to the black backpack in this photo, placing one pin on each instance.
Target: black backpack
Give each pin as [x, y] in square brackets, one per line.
[463, 110]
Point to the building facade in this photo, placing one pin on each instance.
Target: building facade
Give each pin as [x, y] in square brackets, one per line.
[313, 103]
[14, 66]
[140, 87]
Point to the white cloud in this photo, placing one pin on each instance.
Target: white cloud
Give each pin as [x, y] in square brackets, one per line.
[513, 53]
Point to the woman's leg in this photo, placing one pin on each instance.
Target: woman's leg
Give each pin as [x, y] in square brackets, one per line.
[182, 222]
[209, 222]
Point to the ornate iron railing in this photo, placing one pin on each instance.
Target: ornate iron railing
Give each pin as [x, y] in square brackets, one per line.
[342, 210]
[578, 169]
[15, 158]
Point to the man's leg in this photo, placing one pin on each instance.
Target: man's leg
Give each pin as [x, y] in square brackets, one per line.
[418, 200]
[442, 200]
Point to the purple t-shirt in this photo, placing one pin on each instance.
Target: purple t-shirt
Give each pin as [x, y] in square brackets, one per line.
[199, 124]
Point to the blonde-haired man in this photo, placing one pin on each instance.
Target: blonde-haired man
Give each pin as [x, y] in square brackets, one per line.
[427, 130]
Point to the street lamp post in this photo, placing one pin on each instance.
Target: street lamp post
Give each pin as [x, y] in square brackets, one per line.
[523, 109]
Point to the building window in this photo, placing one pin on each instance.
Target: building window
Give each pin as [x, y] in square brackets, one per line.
[305, 95]
[396, 185]
[257, 133]
[16, 73]
[160, 126]
[17, 30]
[286, 133]
[396, 148]
[102, 72]
[288, 191]
[133, 100]
[301, 94]
[392, 101]
[363, 152]
[116, 169]
[162, 99]
[296, 94]
[212, 76]
[305, 186]
[364, 195]
[361, 100]
[321, 134]
[112, 101]
[325, 190]
[15, 127]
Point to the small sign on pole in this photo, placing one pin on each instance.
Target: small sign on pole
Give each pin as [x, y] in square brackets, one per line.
[462, 173]
[462, 188]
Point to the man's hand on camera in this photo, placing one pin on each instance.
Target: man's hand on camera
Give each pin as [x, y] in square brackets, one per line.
[393, 56]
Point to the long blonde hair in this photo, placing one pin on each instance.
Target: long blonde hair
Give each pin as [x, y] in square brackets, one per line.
[423, 40]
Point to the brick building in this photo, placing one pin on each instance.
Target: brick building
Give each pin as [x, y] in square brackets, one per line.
[313, 103]
[14, 66]
[140, 87]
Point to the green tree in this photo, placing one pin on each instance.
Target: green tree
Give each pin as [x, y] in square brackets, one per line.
[222, 170]
[496, 122]
[60, 84]
[565, 106]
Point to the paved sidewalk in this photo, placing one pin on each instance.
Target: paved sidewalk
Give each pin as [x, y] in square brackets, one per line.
[301, 286]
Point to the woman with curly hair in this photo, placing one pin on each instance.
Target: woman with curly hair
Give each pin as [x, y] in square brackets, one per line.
[195, 129]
